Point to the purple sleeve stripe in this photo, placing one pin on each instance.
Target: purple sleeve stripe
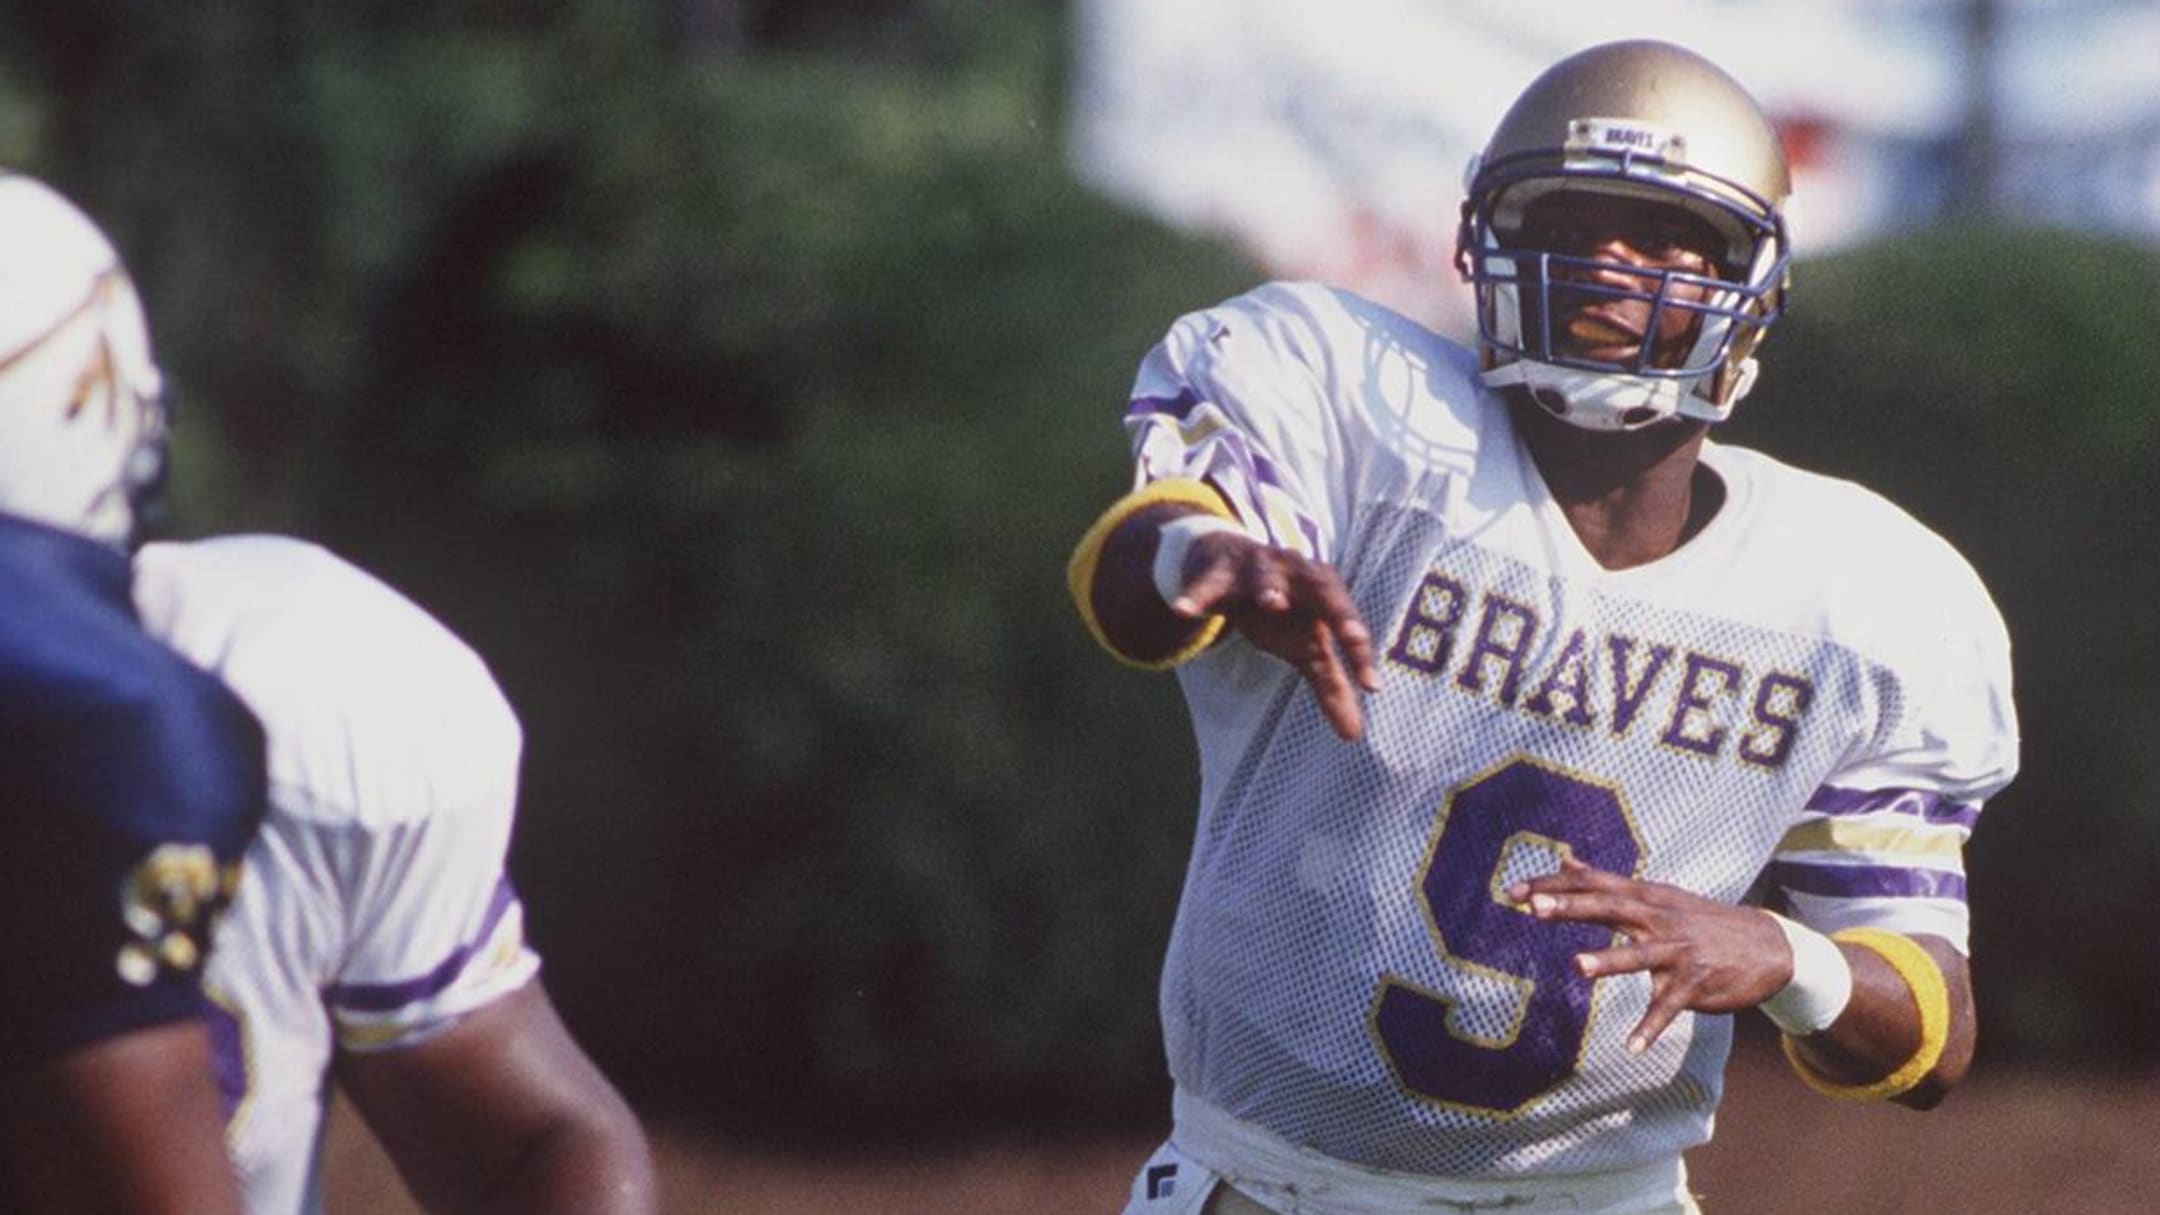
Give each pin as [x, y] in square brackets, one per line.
[1179, 406]
[1268, 474]
[386, 997]
[1260, 472]
[1258, 465]
[1867, 881]
[1253, 461]
[1933, 807]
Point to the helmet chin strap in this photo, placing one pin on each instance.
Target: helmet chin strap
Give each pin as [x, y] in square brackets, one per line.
[1589, 399]
[1614, 401]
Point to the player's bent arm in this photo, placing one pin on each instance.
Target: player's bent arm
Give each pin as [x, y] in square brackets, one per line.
[504, 1113]
[126, 1126]
[1905, 1035]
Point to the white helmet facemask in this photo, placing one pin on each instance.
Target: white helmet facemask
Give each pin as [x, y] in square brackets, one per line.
[82, 428]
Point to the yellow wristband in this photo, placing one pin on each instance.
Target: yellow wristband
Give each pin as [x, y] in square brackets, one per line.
[1930, 994]
[1080, 571]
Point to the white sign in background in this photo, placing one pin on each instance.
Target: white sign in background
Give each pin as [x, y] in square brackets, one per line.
[1330, 139]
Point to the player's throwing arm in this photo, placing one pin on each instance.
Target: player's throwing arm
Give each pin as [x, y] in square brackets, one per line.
[1167, 575]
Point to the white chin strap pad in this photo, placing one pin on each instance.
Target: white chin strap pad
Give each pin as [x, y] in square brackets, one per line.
[1614, 401]
[1592, 400]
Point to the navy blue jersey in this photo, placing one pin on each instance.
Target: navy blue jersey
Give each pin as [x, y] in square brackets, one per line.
[130, 783]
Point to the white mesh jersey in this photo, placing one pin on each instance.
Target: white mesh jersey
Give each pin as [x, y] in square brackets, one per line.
[374, 911]
[1806, 702]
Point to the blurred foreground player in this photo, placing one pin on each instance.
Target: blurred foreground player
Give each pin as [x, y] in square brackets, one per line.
[129, 781]
[377, 937]
[1467, 936]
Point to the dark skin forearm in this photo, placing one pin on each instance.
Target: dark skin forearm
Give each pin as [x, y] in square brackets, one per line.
[1133, 616]
[128, 1126]
[504, 1113]
[1880, 1028]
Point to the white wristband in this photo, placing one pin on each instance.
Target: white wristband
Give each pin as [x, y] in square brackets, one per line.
[1174, 540]
[1821, 982]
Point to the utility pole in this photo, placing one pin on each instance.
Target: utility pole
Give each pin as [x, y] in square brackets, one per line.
[1974, 193]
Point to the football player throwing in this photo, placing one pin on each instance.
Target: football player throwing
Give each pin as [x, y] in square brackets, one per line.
[1539, 732]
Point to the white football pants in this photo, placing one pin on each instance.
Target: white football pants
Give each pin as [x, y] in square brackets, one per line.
[1171, 1183]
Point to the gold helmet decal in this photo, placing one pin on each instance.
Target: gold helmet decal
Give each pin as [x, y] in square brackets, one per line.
[171, 903]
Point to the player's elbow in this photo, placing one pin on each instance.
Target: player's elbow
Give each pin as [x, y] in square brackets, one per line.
[621, 1142]
[593, 1160]
[1929, 1093]
[1948, 1073]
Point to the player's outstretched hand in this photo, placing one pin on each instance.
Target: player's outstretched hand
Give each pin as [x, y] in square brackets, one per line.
[1700, 954]
[1292, 607]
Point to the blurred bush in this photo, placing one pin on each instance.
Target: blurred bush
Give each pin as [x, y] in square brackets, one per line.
[738, 389]
[741, 406]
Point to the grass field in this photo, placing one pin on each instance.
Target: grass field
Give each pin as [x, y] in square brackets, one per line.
[2033, 1144]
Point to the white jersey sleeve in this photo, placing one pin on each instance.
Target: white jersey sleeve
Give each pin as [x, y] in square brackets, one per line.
[375, 911]
[1881, 842]
[436, 930]
[1245, 397]
[1301, 405]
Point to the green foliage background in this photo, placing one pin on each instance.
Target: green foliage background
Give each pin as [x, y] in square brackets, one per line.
[738, 391]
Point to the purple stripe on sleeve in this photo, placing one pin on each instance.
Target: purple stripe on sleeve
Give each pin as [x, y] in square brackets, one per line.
[1259, 470]
[1179, 406]
[1257, 464]
[1233, 463]
[1867, 881]
[1933, 807]
[385, 997]
[1253, 461]
[1263, 468]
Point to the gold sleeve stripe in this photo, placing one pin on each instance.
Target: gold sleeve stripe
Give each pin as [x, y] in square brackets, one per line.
[369, 1037]
[1905, 837]
[1080, 571]
[1201, 428]
[1929, 993]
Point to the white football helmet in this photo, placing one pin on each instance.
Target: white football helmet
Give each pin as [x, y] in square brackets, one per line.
[1645, 120]
[82, 420]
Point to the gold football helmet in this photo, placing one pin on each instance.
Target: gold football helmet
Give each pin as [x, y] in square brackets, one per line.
[1648, 121]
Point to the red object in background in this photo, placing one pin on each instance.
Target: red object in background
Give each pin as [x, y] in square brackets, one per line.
[1803, 136]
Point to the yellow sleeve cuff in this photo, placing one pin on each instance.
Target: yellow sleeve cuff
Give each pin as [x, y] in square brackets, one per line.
[1929, 992]
[1087, 555]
